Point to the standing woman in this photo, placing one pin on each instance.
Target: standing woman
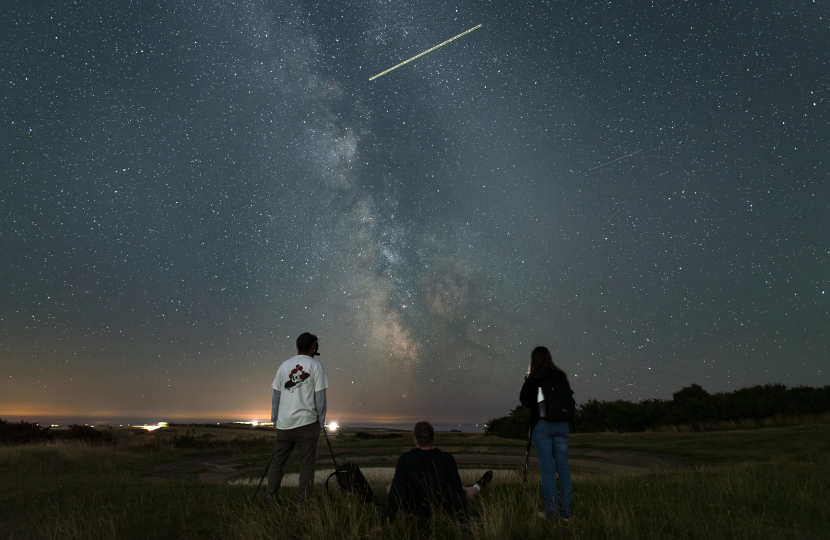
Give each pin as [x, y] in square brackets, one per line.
[550, 433]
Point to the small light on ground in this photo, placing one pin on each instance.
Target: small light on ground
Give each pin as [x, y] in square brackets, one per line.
[333, 426]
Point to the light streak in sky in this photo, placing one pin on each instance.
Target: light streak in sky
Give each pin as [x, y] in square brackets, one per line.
[423, 53]
[612, 215]
[613, 160]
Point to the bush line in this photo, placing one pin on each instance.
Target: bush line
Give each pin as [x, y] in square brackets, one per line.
[690, 409]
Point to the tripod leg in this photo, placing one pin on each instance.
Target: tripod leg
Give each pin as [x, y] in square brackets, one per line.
[527, 454]
[263, 478]
[326, 433]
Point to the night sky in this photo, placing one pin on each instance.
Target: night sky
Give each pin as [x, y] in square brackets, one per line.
[187, 186]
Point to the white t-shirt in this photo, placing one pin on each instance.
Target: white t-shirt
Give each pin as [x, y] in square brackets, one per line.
[297, 380]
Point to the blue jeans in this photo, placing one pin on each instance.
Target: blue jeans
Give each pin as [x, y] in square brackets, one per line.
[551, 440]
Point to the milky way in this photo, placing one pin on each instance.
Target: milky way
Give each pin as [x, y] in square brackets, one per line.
[187, 186]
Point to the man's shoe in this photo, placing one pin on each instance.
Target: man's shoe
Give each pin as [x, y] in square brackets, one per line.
[485, 479]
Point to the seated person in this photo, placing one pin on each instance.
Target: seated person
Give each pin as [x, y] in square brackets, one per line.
[426, 477]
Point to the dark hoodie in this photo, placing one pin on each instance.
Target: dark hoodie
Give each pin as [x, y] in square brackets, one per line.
[425, 479]
[530, 390]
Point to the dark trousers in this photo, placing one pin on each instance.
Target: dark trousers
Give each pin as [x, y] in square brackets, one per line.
[308, 457]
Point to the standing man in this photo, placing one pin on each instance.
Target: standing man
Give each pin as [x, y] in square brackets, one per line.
[298, 411]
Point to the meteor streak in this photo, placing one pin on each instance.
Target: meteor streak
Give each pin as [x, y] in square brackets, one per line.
[423, 53]
[612, 215]
[613, 160]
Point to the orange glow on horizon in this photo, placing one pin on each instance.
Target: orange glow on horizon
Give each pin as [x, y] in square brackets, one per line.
[92, 417]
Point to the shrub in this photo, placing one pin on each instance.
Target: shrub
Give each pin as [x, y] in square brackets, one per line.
[512, 426]
[689, 406]
[13, 433]
[86, 434]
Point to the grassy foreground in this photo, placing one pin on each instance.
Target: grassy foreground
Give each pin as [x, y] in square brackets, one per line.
[76, 491]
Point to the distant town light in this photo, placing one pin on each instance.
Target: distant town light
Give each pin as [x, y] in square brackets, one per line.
[333, 426]
[152, 428]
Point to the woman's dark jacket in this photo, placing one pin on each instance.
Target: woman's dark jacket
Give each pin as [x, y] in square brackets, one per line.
[530, 390]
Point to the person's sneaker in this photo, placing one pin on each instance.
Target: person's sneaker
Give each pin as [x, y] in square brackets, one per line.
[485, 479]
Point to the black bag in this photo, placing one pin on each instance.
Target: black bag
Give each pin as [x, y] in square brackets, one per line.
[351, 481]
[560, 405]
[349, 477]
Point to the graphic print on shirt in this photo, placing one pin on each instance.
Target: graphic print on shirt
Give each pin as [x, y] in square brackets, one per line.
[296, 378]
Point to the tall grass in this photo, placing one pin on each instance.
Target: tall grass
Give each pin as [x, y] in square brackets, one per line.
[717, 446]
[190, 441]
[78, 491]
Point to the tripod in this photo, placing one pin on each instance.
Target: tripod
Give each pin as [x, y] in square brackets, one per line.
[263, 477]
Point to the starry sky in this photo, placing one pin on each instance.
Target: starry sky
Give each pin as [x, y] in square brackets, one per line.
[186, 186]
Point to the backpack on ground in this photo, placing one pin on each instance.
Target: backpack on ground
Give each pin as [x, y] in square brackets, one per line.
[560, 405]
[349, 477]
[351, 481]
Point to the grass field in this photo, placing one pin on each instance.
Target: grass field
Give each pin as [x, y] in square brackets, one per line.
[796, 442]
[769, 483]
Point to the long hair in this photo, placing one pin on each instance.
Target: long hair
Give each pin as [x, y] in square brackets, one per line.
[540, 358]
